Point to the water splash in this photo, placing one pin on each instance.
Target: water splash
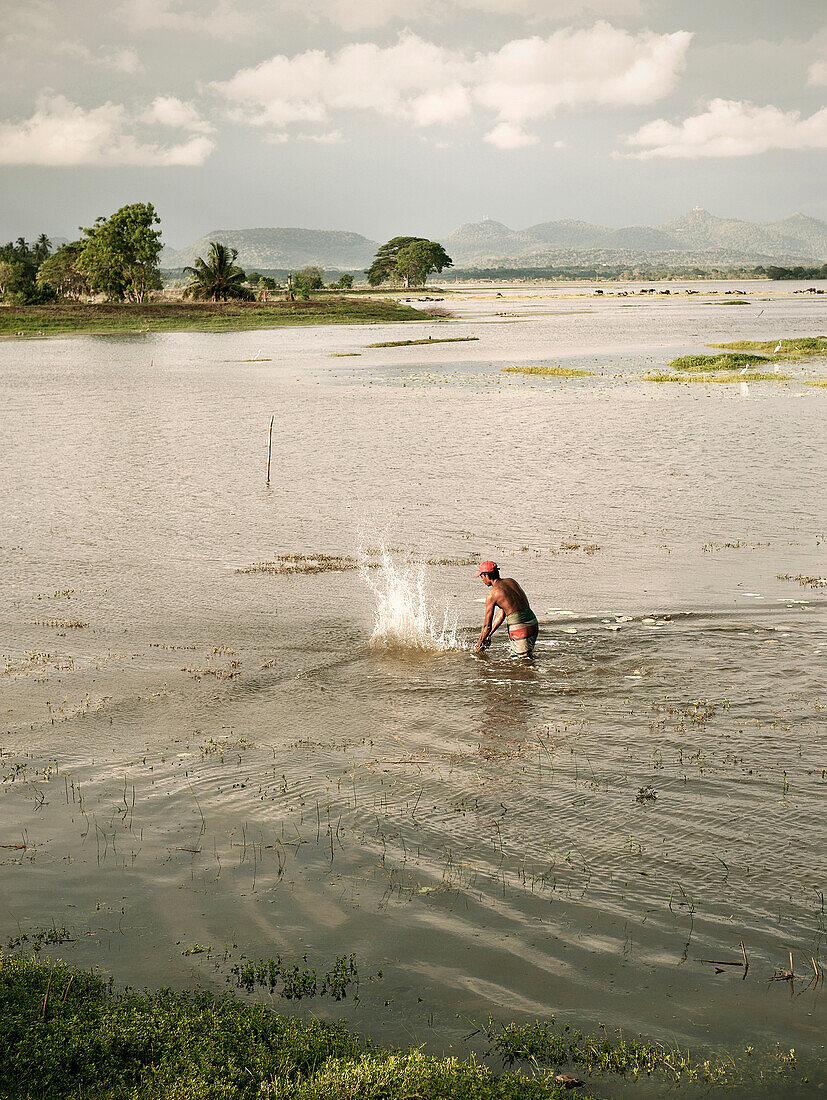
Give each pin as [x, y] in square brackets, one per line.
[404, 619]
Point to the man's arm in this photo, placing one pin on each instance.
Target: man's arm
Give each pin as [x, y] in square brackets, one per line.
[487, 629]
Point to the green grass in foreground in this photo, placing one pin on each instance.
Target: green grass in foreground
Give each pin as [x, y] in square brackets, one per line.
[430, 340]
[753, 376]
[174, 316]
[65, 1034]
[795, 348]
[549, 372]
[727, 361]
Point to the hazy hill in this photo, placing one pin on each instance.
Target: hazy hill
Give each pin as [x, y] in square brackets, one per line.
[794, 239]
[281, 249]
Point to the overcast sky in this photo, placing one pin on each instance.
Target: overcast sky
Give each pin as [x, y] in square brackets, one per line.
[409, 116]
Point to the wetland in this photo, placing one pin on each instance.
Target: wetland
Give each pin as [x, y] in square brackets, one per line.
[242, 724]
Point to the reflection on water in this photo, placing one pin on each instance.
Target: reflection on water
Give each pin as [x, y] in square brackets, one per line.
[196, 753]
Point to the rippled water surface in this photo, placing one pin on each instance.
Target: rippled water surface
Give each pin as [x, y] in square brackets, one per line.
[199, 749]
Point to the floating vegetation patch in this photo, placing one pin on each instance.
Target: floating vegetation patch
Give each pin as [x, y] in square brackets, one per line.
[344, 354]
[34, 661]
[727, 361]
[429, 340]
[754, 376]
[549, 372]
[296, 982]
[550, 1044]
[61, 624]
[817, 382]
[286, 564]
[797, 347]
[809, 582]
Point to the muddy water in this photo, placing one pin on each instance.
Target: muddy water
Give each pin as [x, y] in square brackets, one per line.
[233, 757]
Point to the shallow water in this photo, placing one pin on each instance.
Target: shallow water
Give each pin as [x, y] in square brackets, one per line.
[317, 763]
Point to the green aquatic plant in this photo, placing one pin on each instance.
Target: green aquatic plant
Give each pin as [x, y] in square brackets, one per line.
[549, 372]
[547, 1043]
[66, 1034]
[727, 361]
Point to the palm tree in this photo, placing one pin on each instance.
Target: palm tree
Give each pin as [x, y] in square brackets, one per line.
[217, 278]
[42, 248]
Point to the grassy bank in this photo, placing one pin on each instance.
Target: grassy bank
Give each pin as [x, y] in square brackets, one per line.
[61, 318]
[65, 1034]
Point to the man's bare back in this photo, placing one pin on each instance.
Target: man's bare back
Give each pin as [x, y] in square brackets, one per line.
[507, 595]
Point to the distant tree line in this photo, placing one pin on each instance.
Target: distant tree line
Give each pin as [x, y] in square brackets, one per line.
[793, 272]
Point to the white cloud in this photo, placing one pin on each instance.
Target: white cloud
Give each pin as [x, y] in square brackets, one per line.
[817, 73]
[122, 60]
[167, 110]
[331, 137]
[62, 134]
[218, 20]
[508, 136]
[730, 128]
[420, 83]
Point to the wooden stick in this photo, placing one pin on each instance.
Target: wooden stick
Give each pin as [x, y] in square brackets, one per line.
[813, 961]
[46, 997]
[68, 987]
[722, 962]
[792, 968]
[270, 446]
[746, 960]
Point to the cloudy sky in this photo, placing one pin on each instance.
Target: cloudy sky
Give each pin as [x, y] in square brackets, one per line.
[386, 117]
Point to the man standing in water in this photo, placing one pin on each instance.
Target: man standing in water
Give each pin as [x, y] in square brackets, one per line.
[505, 594]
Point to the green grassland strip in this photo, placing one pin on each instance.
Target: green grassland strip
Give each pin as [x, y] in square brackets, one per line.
[753, 376]
[727, 361]
[112, 317]
[67, 1035]
[429, 340]
[795, 348]
[549, 372]
[817, 382]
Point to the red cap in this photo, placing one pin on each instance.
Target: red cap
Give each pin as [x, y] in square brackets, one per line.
[487, 567]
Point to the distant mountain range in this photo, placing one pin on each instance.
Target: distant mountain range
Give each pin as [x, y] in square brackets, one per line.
[489, 243]
[697, 237]
[281, 249]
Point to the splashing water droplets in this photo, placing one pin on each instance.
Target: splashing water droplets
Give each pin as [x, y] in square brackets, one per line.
[404, 619]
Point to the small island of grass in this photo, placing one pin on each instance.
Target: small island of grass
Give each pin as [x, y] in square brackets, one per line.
[428, 340]
[726, 361]
[753, 376]
[549, 372]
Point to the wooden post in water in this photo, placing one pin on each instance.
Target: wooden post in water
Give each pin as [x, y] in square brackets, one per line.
[270, 446]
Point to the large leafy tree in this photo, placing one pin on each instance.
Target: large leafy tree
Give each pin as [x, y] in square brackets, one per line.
[217, 278]
[61, 274]
[120, 254]
[409, 259]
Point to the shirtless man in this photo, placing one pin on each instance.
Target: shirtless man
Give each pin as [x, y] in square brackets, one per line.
[505, 594]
